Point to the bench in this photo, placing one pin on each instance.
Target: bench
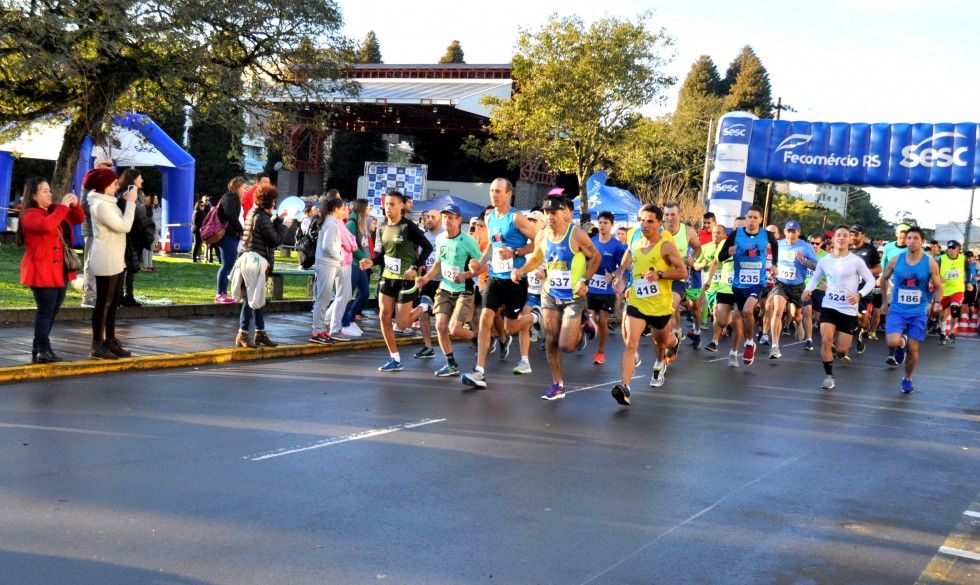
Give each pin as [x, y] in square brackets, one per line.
[273, 288]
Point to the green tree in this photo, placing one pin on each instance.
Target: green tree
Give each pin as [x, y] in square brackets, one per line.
[747, 85]
[581, 87]
[370, 50]
[813, 218]
[702, 80]
[454, 53]
[216, 151]
[862, 211]
[90, 61]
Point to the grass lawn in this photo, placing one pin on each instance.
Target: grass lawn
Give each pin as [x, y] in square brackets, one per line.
[178, 281]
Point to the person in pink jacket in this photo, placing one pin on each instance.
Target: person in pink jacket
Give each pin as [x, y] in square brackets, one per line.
[334, 252]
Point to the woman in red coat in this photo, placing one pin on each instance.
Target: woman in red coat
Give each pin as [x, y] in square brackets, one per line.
[44, 227]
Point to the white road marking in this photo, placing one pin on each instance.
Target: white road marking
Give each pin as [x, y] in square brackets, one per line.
[344, 439]
[972, 513]
[958, 552]
[616, 381]
[757, 351]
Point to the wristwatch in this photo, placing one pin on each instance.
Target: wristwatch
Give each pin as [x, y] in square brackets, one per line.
[660, 274]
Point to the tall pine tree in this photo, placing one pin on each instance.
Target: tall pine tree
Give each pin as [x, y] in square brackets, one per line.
[702, 80]
[370, 50]
[747, 85]
[454, 53]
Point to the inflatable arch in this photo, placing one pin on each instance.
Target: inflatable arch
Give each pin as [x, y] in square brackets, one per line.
[838, 153]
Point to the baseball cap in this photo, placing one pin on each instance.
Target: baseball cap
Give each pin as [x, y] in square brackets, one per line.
[536, 215]
[554, 203]
[902, 227]
[792, 225]
[856, 228]
[452, 208]
[952, 244]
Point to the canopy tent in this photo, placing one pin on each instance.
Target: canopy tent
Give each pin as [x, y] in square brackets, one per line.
[468, 208]
[135, 140]
[621, 203]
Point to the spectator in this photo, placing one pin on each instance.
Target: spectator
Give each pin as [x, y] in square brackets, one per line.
[140, 236]
[42, 229]
[261, 182]
[88, 279]
[200, 212]
[109, 229]
[334, 249]
[229, 213]
[262, 235]
[155, 212]
[358, 223]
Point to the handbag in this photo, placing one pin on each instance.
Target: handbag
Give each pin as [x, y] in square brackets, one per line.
[212, 230]
[73, 263]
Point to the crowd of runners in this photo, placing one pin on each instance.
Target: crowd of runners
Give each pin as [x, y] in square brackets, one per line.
[541, 277]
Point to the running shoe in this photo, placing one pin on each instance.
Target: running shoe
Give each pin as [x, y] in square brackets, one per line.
[764, 339]
[621, 393]
[907, 386]
[447, 370]
[352, 331]
[774, 353]
[555, 392]
[505, 347]
[392, 365]
[733, 360]
[748, 354]
[474, 379]
[900, 351]
[952, 337]
[695, 336]
[599, 358]
[659, 372]
[671, 354]
[942, 339]
[890, 360]
[646, 331]
[322, 338]
[861, 343]
[828, 382]
[339, 336]
[712, 346]
[843, 356]
[873, 336]
[589, 328]
[637, 361]
[493, 345]
[808, 345]
[425, 353]
[223, 299]
[522, 367]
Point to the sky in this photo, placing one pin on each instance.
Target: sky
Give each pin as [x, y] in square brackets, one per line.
[832, 60]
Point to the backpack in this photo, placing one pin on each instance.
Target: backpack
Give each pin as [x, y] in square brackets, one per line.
[212, 230]
[306, 244]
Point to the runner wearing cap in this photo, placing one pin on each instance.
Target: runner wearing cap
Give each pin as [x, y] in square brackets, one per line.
[400, 247]
[655, 263]
[565, 249]
[511, 239]
[952, 271]
[796, 256]
[602, 298]
[848, 279]
[454, 297]
[909, 303]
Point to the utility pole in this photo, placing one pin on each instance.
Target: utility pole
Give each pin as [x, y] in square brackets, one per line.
[969, 221]
[707, 161]
[768, 208]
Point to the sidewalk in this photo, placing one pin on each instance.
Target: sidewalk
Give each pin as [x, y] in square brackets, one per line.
[171, 343]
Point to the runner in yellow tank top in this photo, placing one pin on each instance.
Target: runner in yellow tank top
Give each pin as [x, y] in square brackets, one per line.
[656, 264]
[952, 271]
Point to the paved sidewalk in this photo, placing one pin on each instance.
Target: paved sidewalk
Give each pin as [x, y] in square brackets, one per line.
[166, 343]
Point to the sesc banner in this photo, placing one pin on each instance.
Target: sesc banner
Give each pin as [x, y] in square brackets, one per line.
[877, 155]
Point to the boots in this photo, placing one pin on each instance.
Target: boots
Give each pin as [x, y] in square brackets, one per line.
[242, 340]
[101, 352]
[114, 346]
[262, 339]
[34, 352]
[130, 301]
[48, 357]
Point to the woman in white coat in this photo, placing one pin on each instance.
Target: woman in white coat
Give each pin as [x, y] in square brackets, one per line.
[109, 228]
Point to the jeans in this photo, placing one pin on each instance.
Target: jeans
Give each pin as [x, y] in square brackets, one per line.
[229, 253]
[246, 318]
[48, 300]
[198, 242]
[360, 282]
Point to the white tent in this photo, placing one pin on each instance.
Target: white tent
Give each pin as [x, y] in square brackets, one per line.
[128, 148]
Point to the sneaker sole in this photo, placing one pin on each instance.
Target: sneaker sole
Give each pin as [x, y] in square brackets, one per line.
[472, 383]
[521, 372]
[620, 396]
[447, 374]
[553, 398]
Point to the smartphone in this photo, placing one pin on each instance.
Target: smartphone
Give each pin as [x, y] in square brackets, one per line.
[131, 188]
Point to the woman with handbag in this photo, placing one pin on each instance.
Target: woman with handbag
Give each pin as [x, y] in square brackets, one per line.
[229, 213]
[49, 263]
[263, 234]
[109, 228]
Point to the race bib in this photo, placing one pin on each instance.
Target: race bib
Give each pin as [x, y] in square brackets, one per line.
[876, 290]
[716, 277]
[749, 277]
[731, 279]
[430, 262]
[560, 279]
[837, 295]
[646, 288]
[500, 265]
[393, 265]
[599, 282]
[952, 274]
[533, 282]
[909, 296]
[787, 272]
[449, 272]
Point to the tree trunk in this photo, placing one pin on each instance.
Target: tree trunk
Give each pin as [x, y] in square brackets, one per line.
[584, 206]
[64, 168]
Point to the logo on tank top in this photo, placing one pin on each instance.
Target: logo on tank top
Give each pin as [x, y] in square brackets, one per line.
[910, 281]
[752, 252]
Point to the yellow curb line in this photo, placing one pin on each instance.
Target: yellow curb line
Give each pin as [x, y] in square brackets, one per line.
[945, 568]
[32, 372]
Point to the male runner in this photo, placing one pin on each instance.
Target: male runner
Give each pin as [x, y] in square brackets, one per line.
[709, 250]
[796, 256]
[400, 246]
[432, 228]
[747, 246]
[656, 264]
[952, 271]
[811, 306]
[867, 252]
[602, 298]
[564, 249]
[721, 275]
[454, 297]
[889, 251]
[848, 279]
[509, 232]
[689, 245]
[909, 304]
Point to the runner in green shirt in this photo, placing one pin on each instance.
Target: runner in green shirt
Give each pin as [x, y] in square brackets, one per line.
[720, 275]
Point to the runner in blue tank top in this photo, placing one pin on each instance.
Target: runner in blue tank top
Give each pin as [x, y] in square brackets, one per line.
[602, 297]
[909, 303]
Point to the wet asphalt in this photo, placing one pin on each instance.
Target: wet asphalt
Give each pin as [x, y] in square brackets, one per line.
[268, 472]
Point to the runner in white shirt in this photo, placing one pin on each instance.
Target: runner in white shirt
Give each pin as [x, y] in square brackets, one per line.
[838, 315]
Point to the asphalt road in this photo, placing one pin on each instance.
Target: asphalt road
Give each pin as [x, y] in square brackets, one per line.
[269, 473]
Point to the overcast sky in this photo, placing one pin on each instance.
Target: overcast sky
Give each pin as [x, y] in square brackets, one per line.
[832, 60]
